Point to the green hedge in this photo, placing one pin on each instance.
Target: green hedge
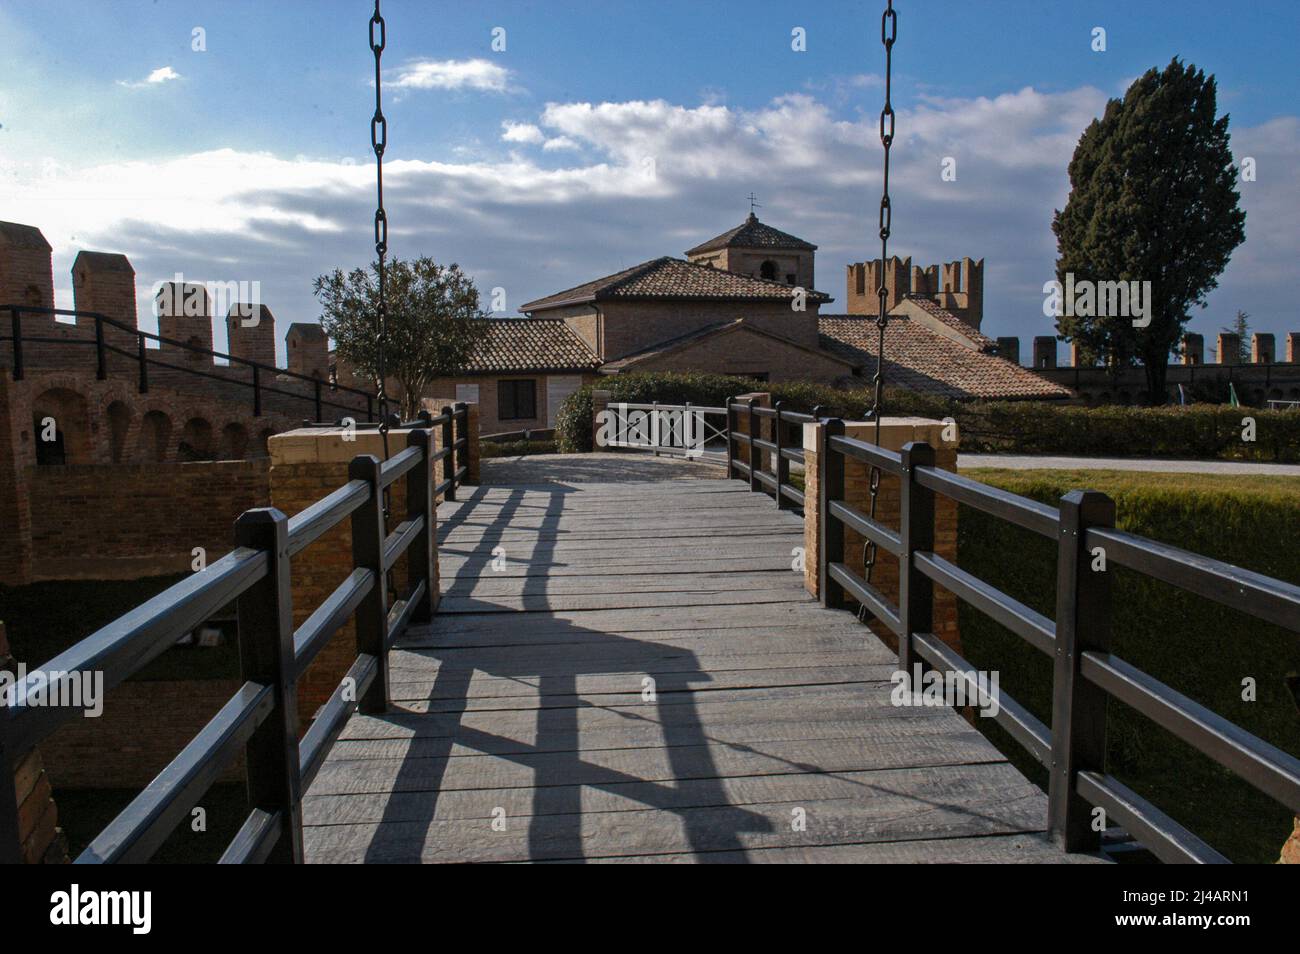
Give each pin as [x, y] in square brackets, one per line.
[1026, 427]
[1197, 647]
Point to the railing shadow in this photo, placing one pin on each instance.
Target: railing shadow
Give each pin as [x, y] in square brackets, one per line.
[560, 773]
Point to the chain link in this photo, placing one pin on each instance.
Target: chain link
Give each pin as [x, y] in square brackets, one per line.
[888, 35]
[379, 142]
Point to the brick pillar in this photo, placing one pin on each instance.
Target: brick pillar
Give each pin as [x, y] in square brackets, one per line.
[1045, 351]
[306, 465]
[1229, 348]
[40, 837]
[104, 282]
[1293, 347]
[1193, 349]
[27, 278]
[184, 315]
[1262, 348]
[1009, 348]
[307, 350]
[250, 332]
[16, 456]
[894, 433]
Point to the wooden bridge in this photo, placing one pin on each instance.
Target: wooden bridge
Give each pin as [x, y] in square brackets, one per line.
[631, 671]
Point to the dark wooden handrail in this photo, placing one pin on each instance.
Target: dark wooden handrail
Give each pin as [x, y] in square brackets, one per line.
[260, 719]
[1086, 673]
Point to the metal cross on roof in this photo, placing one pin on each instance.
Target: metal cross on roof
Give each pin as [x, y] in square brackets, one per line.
[753, 203]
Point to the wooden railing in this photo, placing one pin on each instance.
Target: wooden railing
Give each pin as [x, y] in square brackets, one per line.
[1086, 673]
[144, 357]
[782, 448]
[261, 718]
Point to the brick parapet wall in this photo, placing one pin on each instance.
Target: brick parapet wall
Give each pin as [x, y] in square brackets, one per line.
[895, 432]
[124, 521]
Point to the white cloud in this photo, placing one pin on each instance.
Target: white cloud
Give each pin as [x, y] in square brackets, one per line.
[163, 74]
[650, 178]
[521, 132]
[477, 74]
[559, 142]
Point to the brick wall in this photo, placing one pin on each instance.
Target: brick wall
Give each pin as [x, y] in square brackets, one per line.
[895, 432]
[144, 726]
[743, 353]
[122, 521]
[442, 393]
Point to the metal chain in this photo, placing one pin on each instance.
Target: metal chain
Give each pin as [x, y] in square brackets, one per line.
[379, 141]
[888, 34]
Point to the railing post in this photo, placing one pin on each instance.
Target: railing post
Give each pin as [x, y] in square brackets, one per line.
[370, 408]
[731, 447]
[449, 445]
[419, 503]
[654, 427]
[266, 656]
[462, 431]
[257, 394]
[101, 362]
[686, 429]
[782, 465]
[1083, 624]
[817, 412]
[16, 324]
[141, 350]
[916, 530]
[755, 455]
[368, 553]
[320, 416]
[830, 486]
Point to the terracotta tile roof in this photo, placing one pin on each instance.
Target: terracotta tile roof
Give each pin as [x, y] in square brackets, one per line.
[753, 234]
[709, 331]
[920, 359]
[671, 278]
[935, 310]
[531, 344]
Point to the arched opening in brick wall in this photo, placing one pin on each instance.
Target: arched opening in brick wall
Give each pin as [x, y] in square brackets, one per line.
[61, 427]
[155, 436]
[767, 270]
[234, 442]
[119, 425]
[196, 440]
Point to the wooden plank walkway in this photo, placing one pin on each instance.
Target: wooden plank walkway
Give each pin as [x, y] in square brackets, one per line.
[645, 679]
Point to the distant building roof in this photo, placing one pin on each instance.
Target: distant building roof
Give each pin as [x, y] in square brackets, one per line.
[711, 331]
[671, 278]
[531, 344]
[919, 359]
[753, 234]
[932, 308]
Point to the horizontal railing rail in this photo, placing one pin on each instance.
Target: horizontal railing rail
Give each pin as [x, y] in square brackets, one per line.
[259, 373]
[785, 447]
[260, 721]
[672, 429]
[1086, 675]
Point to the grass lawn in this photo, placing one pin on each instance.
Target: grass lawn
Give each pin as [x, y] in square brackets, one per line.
[1198, 647]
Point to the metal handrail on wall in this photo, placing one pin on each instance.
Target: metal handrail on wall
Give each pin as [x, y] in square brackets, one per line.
[261, 718]
[141, 356]
[1086, 674]
[776, 484]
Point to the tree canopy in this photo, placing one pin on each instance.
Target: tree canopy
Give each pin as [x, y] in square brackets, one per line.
[434, 322]
[1153, 198]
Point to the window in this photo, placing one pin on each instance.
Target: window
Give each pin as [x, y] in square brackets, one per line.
[767, 270]
[516, 400]
[789, 279]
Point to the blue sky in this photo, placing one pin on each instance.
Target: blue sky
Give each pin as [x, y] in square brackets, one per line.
[606, 134]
